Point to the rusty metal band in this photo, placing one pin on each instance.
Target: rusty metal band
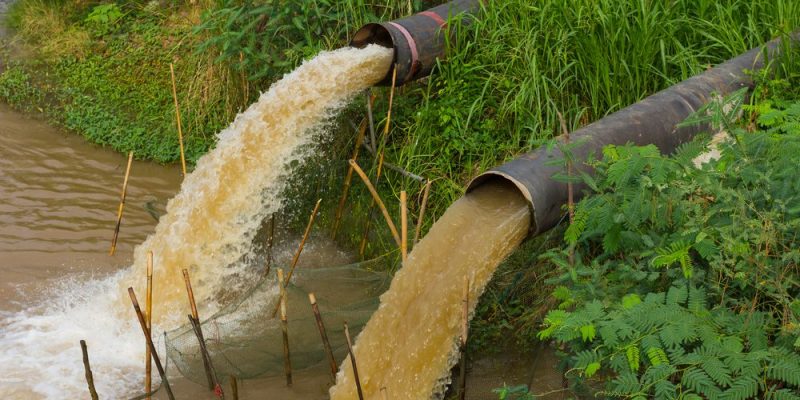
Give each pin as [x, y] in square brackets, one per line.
[434, 16]
[411, 44]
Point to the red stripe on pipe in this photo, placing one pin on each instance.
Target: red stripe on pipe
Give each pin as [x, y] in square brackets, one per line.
[411, 44]
[434, 16]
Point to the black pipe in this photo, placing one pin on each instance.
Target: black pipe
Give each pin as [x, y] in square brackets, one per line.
[650, 121]
[418, 41]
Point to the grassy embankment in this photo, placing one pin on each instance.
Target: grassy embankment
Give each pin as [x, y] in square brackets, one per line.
[102, 70]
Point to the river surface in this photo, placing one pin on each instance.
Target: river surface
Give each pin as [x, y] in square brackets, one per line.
[58, 204]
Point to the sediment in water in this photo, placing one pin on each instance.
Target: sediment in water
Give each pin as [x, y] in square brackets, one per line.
[410, 344]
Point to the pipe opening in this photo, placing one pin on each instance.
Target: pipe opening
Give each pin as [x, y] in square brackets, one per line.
[493, 177]
[377, 34]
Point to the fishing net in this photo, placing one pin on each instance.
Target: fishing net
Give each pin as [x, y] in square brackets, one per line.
[245, 341]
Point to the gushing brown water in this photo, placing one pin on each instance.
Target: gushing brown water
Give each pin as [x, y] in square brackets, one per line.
[211, 222]
[208, 227]
[409, 345]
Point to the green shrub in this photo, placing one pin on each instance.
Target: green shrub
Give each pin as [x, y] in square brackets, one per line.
[685, 278]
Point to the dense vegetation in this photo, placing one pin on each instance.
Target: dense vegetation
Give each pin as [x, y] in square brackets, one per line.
[681, 280]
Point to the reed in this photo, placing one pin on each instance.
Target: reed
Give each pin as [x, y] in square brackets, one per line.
[178, 118]
[88, 370]
[348, 179]
[149, 339]
[121, 204]
[353, 361]
[148, 305]
[324, 335]
[403, 226]
[210, 376]
[287, 360]
[377, 199]
[422, 208]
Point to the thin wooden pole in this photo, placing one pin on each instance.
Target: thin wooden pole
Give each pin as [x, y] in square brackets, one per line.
[363, 246]
[462, 390]
[348, 179]
[403, 226]
[121, 204]
[353, 361]
[88, 369]
[210, 377]
[287, 361]
[270, 244]
[422, 210]
[380, 153]
[377, 200]
[178, 117]
[234, 388]
[372, 141]
[190, 293]
[150, 344]
[302, 243]
[384, 394]
[296, 257]
[324, 335]
[148, 365]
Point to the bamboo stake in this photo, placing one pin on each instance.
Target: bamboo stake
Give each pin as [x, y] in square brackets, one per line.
[287, 361]
[380, 152]
[270, 243]
[234, 388]
[372, 140]
[348, 179]
[303, 242]
[365, 236]
[210, 377]
[377, 200]
[353, 361]
[178, 117]
[121, 204]
[324, 335]
[296, 257]
[88, 369]
[422, 210]
[150, 344]
[148, 305]
[190, 292]
[462, 390]
[384, 393]
[403, 226]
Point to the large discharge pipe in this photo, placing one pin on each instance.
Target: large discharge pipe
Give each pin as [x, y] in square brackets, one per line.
[653, 120]
[418, 41]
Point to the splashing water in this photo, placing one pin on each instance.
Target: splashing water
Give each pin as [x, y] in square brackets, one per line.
[410, 344]
[209, 227]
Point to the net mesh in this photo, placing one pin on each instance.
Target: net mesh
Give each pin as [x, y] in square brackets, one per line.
[245, 341]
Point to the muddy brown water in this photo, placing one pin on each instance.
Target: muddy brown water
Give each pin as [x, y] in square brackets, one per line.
[58, 204]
